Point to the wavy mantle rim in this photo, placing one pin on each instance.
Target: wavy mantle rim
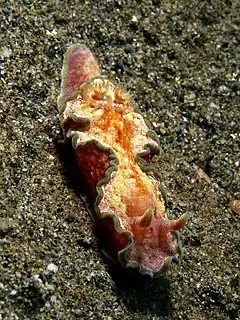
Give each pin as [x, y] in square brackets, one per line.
[62, 100]
[113, 167]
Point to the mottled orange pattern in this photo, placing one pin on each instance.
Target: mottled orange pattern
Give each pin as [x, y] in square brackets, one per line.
[114, 148]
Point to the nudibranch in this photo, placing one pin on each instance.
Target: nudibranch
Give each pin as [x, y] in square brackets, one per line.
[114, 148]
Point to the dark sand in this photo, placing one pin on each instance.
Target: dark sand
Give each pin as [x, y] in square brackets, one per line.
[181, 64]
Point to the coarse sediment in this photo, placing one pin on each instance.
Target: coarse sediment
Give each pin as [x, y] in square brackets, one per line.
[180, 62]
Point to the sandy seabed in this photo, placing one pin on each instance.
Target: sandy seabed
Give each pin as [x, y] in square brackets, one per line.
[180, 62]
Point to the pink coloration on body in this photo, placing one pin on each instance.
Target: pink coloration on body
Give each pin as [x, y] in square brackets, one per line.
[114, 148]
[81, 67]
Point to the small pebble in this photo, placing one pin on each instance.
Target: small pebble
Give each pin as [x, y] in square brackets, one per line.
[52, 267]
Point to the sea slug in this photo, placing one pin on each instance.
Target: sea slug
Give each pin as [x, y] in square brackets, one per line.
[114, 148]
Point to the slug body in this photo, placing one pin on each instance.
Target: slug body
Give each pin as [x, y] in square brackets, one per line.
[114, 148]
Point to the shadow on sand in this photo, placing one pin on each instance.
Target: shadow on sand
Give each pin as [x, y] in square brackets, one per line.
[139, 293]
